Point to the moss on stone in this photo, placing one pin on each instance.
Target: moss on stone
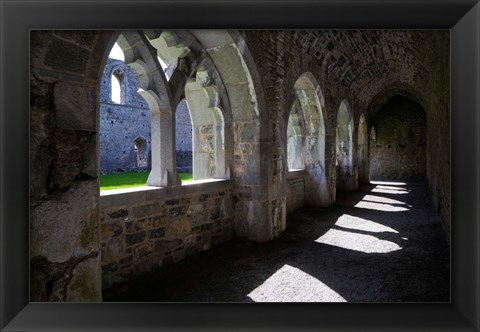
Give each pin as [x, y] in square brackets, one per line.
[84, 284]
[88, 233]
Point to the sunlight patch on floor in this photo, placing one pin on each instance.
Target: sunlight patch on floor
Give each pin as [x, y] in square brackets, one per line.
[389, 191]
[358, 242]
[380, 207]
[391, 188]
[389, 183]
[290, 284]
[351, 222]
[381, 199]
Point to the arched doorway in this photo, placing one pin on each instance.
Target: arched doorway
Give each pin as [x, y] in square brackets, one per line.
[344, 148]
[398, 149]
[310, 99]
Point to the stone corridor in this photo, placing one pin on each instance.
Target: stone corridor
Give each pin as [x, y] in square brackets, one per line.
[382, 243]
[282, 122]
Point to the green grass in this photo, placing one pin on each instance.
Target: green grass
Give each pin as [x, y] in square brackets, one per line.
[131, 179]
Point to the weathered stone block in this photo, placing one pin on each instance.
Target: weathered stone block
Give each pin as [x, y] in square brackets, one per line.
[126, 260]
[109, 230]
[199, 219]
[83, 38]
[178, 228]
[172, 202]
[63, 55]
[166, 245]
[215, 213]
[70, 145]
[158, 221]
[90, 159]
[114, 249]
[131, 239]
[253, 220]
[58, 225]
[75, 107]
[147, 210]
[143, 250]
[121, 213]
[177, 211]
[196, 208]
[85, 285]
[157, 233]
[136, 225]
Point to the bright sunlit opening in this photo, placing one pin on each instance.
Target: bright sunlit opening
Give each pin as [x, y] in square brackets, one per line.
[358, 242]
[116, 90]
[351, 222]
[290, 284]
[164, 67]
[117, 53]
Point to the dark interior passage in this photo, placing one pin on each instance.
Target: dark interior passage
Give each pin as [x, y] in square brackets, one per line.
[382, 243]
[398, 145]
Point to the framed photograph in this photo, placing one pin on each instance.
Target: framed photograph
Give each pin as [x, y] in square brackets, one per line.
[222, 118]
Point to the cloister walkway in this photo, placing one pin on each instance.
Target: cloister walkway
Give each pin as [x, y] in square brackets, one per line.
[382, 243]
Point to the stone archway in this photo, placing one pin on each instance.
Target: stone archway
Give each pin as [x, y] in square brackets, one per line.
[399, 148]
[310, 99]
[296, 138]
[259, 212]
[344, 148]
[155, 90]
[207, 127]
[141, 152]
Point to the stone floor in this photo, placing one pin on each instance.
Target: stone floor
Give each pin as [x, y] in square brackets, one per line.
[383, 243]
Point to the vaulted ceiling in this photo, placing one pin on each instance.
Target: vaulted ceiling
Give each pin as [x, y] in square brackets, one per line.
[368, 61]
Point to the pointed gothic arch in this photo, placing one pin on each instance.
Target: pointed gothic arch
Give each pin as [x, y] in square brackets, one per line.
[344, 148]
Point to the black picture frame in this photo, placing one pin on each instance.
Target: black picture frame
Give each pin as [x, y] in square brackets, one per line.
[17, 17]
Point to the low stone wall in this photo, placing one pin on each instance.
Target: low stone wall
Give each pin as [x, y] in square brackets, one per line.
[295, 190]
[147, 228]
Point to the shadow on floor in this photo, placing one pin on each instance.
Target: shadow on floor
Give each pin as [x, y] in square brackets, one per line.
[378, 244]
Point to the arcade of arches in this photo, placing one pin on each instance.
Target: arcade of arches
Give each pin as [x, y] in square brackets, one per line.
[301, 139]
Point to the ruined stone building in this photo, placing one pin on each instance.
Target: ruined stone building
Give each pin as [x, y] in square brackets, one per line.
[125, 124]
[277, 122]
[124, 121]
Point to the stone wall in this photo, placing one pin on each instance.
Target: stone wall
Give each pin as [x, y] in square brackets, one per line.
[438, 127]
[64, 242]
[398, 147]
[295, 195]
[183, 137]
[143, 230]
